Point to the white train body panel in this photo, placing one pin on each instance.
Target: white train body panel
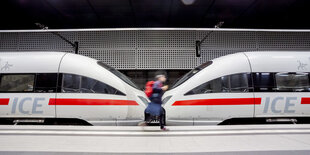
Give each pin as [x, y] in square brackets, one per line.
[96, 108]
[281, 104]
[22, 104]
[30, 62]
[213, 108]
[27, 105]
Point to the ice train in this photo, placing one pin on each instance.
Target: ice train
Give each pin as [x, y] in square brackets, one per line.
[266, 86]
[60, 88]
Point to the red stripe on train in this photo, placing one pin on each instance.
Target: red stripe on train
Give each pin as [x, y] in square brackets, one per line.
[67, 101]
[4, 101]
[227, 101]
[305, 100]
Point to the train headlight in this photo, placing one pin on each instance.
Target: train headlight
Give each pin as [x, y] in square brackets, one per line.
[144, 100]
[166, 99]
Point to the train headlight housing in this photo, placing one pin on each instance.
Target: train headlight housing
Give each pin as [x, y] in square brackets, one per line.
[166, 99]
[144, 100]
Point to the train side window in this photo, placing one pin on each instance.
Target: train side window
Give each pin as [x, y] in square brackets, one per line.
[264, 82]
[229, 83]
[87, 85]
[46, 83]
[309, 77]
[208, 87]
[106, 89]
[239, 82]
[90, 85]
[250, 82]
[292, 82]
[214, 86]
[225, 84]
[71, 83]
[59, 82]
[17, 83]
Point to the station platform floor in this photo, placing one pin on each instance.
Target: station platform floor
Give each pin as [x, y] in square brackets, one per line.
[215, 140]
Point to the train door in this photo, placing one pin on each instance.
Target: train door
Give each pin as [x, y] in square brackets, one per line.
[27, 95]
[219, 99]
[282, 94]
[91, 100]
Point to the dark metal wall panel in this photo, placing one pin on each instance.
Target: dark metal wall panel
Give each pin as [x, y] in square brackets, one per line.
[166, 39]
[230, 40]
[166, 59]
[155, 48]
[284, 40]
[121, 59]
[107, 39]
[9, 41]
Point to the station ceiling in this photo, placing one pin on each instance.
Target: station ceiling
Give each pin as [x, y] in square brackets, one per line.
[62, 14]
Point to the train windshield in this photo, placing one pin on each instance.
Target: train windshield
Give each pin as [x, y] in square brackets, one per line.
[118, 74]
[191, 74]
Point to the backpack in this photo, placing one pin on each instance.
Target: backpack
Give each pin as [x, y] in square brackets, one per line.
[149, 88]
